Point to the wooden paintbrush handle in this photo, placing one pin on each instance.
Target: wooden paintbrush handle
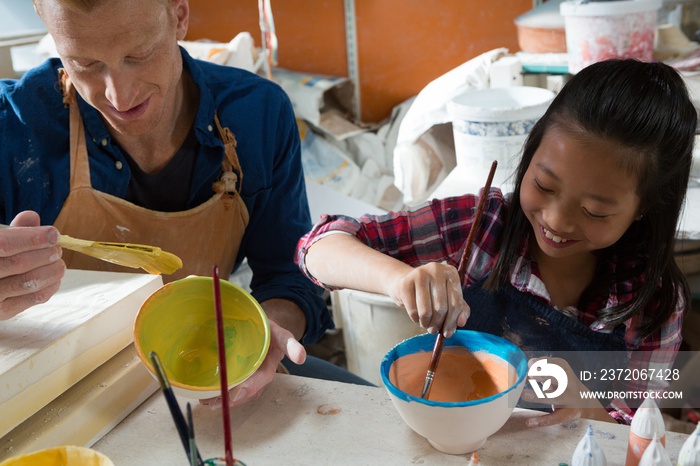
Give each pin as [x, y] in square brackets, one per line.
[475, 225]
[64, 241]
[73, 244]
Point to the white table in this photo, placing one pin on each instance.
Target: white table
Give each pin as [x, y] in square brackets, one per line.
[300, 421]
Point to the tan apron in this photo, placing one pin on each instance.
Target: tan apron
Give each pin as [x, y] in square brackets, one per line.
[209, 234]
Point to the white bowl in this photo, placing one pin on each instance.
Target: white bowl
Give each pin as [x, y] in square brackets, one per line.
[458, 427]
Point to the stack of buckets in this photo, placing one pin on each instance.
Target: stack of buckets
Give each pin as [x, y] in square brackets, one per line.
[599, 30]
[491, 124]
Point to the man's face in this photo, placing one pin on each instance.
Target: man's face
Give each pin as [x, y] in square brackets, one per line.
[122, 57]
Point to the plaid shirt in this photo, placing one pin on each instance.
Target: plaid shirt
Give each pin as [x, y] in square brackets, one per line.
[437, 230]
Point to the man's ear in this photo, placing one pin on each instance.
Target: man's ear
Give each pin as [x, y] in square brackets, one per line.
[181, 9]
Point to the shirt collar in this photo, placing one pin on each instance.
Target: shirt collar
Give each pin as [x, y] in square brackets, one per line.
[525, 278]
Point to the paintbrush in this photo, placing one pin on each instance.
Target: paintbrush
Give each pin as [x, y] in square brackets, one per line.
[149, 258]
[175, 411]
[190, 436]
[222, 368]
[440, 339]
[152, 259]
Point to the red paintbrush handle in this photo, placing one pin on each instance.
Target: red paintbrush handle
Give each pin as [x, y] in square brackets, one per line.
[477, 219]
[222, 367]
[437, 352]
[434, 360]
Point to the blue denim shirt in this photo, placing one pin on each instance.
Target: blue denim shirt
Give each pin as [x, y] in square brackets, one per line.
[34, 166]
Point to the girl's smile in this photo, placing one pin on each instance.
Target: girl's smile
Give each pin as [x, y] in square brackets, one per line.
[555, 240]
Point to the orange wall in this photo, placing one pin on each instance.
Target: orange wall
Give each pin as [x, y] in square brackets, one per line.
[402, 44]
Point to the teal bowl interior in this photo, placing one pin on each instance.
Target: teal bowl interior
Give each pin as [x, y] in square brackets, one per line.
[470, 339]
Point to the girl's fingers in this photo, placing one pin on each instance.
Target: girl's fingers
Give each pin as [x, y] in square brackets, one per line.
[407, 298]
[432, 297]
[424, 303]
[440, 305]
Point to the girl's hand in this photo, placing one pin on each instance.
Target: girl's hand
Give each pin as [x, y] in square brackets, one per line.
[282, 343]
[570, 404]
[432, 296]
[31, 267]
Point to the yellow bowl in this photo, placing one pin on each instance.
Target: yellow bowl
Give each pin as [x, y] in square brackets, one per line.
[178, 322]
[60, 456]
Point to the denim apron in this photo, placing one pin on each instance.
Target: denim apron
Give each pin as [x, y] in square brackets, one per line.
[540, 330]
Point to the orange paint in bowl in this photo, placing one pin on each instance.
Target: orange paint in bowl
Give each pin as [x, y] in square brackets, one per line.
[461, 375]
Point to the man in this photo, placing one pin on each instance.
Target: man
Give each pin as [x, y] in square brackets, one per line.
[127, 138]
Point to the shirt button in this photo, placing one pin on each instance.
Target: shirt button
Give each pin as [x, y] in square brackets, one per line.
[118, 164]
[104, 142]
[210, 128]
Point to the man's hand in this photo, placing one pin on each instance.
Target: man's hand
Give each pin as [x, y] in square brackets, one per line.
[31, 268]
[282, 343]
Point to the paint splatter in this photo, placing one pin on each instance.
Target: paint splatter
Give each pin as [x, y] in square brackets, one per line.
[328, 410]
[606, 435]
[301, 391]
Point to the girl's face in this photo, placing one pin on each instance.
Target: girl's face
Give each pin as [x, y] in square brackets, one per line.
[576, 196]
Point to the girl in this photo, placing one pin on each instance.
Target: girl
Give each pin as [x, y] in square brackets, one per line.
[578, 258]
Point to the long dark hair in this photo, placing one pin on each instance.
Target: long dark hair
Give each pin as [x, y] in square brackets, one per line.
[644, 107]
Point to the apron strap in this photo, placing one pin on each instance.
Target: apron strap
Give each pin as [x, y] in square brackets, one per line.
[79, 165]
[227, 183]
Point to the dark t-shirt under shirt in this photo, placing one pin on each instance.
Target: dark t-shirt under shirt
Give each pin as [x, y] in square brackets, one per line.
[168, 189]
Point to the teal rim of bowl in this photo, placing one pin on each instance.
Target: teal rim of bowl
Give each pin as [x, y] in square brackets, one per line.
[194, 278]
[470, 339]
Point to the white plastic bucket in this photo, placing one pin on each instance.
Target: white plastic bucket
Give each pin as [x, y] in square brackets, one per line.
[372, 324]
[492, 124]
[597, 31]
